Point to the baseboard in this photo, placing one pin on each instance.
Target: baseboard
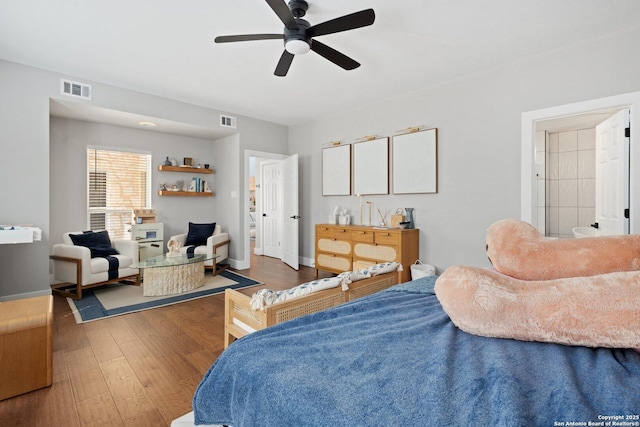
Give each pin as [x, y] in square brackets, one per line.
[307, 262]
[25, 295]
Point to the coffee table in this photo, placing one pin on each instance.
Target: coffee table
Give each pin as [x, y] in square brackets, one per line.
[168, 275]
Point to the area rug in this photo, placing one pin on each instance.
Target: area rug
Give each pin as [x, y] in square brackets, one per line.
[115, 300]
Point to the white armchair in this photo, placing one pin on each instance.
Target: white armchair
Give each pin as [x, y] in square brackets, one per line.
[75, 269]
[217, 244]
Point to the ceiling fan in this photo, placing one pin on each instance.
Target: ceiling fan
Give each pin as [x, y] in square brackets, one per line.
[299, 34]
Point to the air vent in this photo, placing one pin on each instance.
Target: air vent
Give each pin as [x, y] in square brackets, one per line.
[75, 89]
[227, 121]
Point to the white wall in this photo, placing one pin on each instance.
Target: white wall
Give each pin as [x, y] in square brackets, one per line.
[478, 119]
[25, 93]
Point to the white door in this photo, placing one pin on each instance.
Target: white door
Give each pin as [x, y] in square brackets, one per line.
[612, 174]
[271, 209]
[290, 231]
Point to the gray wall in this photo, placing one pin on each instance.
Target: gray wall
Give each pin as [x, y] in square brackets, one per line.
[479, 137]
[25, 93]
[68, 144]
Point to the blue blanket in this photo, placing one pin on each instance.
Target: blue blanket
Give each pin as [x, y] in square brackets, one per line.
[395, 358]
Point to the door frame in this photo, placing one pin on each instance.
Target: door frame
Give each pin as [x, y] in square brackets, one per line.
[245, 201]
[528, 210]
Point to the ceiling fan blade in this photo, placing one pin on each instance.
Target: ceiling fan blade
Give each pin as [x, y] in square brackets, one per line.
[334, 56]
[283, 65]
[344, 23]
[247, 37]
[282, 10]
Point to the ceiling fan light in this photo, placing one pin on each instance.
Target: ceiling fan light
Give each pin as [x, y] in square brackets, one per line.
[297, 47]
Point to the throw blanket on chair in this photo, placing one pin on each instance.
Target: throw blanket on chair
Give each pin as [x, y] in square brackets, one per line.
[114, 265]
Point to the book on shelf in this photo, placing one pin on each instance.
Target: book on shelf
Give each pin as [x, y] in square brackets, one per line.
[199, 185]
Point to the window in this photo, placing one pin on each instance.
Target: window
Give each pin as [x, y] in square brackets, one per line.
[118, 182]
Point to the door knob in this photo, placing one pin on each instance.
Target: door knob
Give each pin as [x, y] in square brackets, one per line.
[295, 217]
[264, 214]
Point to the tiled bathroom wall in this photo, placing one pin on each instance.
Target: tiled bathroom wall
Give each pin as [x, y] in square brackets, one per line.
[570, 181]
[541, 179]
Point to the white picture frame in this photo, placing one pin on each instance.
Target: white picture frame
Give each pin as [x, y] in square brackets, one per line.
[336, 171]
[371, 167]
[415, 162]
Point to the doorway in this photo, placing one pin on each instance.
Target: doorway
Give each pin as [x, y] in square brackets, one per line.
[279, 191]
[566, 179]
[529, 194]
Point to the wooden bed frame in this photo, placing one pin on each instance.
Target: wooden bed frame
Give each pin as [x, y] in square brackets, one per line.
[238, 306]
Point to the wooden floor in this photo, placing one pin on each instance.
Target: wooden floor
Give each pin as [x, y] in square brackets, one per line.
[138, 369]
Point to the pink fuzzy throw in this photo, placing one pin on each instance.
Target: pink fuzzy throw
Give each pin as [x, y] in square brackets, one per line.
[517, 249]
[598, 311]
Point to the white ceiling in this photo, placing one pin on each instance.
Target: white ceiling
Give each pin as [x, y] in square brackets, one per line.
[165, 47]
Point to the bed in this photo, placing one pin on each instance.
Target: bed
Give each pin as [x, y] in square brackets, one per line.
[395, 358]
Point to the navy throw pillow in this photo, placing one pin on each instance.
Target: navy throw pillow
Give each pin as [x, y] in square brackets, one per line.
[98, 243]
[199, 233]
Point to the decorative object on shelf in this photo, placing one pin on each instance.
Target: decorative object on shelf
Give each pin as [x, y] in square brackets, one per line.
[174, 248]
[383, 218]
[167, 162]
[187, 161]
[198, 185]
[344, 219]
[206, 165]
[397, 218]
[370, 207]
[144, 216]
[409, 212]
[163, 186]
[174, 162]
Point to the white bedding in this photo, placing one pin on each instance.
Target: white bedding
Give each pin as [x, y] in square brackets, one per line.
[187, 420]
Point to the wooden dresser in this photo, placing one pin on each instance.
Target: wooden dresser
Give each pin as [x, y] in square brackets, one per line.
[353, 247]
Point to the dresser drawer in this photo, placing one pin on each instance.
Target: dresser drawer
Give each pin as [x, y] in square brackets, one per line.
[332, 262]
[334, 246]
[362, 236]
[323, 231]
[341, 234]
[387, 238]
[375, 252]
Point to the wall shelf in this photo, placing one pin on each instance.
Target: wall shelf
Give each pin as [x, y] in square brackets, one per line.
[186, 193]
[186, 169]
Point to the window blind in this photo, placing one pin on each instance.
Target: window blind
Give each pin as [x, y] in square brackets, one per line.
[118, 183]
